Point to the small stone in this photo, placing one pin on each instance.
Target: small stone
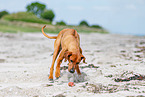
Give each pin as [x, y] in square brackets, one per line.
[112, 66]
[122, 51]
[109, 76]
[47, 85]
[2, 60]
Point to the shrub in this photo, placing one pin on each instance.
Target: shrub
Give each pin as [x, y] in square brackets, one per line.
[83, 23]
[2, 13]
[25, 16]
[97, 26]
[48, 14]
[60, 23]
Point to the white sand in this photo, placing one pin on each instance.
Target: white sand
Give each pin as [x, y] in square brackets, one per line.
[25, 60]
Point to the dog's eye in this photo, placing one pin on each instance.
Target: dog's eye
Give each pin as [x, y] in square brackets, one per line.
[71, 60]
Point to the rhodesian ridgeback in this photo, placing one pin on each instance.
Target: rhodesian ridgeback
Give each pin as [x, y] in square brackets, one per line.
[67, 46]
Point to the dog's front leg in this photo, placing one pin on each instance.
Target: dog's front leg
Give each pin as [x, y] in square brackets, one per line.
[78, 70]
[57, 72]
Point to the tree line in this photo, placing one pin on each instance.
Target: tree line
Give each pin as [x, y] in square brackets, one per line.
[41, 12]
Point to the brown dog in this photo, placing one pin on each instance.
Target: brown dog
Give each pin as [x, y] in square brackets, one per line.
[68, 44]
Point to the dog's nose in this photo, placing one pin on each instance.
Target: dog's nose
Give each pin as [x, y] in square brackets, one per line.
[72, 70]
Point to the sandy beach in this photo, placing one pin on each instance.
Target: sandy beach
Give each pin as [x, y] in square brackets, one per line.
[25, 60]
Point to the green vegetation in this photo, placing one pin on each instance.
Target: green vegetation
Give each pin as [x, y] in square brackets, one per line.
[61, 23]
[48, 14]
[36, 17]
[40, 11]
[36, 8]
[83, 23]
[16, 26]
[2, 13]
[26, 17]
[97, 26]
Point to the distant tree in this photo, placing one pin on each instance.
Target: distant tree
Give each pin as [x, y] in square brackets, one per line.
[48, 14]
[2, 13]
[83, 23]
[96, 26]
[60, 23]
[36, 8]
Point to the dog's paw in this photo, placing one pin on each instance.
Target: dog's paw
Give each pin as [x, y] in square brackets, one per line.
[51, 81]
[57, 74]
[50, 78]
[57, 77]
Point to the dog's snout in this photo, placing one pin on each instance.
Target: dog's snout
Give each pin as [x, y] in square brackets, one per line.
[72, 70]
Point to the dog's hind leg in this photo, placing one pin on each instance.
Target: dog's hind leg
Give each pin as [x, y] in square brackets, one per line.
[55, 54]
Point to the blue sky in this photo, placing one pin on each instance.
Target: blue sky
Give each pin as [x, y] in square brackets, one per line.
[117, 16]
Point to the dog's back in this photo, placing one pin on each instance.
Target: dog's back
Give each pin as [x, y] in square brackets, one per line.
[70, 37]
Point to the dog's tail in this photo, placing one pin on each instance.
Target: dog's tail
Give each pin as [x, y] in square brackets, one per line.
[51, 37]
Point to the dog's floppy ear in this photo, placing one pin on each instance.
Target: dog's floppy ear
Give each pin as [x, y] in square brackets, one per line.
[75, 34]
[67, 54]
[82, 57]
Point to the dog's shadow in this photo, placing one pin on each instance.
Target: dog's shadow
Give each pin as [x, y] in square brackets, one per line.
[69, 77]
[77, 78]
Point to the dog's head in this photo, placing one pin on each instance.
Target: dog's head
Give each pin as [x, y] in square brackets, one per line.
[74, 60]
